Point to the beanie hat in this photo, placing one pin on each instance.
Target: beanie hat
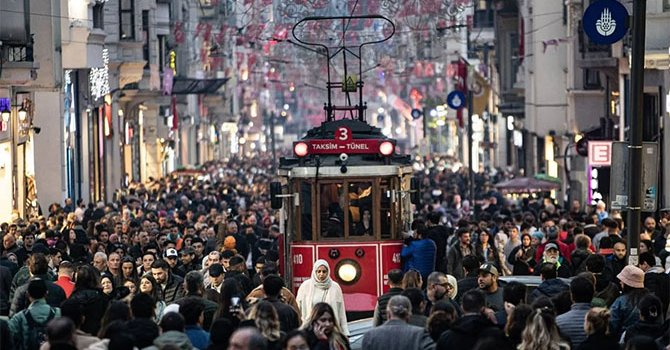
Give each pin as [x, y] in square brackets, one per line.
[229, 243]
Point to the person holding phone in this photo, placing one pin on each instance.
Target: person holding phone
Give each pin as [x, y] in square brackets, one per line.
[320, 288]
[323, 330]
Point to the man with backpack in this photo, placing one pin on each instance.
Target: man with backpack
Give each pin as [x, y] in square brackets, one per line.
[28, 327]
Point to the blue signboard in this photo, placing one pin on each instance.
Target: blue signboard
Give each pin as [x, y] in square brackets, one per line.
[605, 22]
[456, 99]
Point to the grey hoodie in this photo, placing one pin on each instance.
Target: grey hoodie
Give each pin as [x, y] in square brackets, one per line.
[174, 338]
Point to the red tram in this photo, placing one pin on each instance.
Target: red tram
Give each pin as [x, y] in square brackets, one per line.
[346, 196]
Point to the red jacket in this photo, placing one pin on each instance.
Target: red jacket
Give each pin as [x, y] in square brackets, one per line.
[66, 283]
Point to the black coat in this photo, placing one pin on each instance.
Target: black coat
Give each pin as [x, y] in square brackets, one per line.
[599, 341]
[5, 283]
[174, 288]
[94, 302]
[439, 235]
[548, 288]
[467, 331]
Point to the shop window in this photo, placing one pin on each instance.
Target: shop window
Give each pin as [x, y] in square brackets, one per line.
[666, 5]
[146, 53]
[127, 19]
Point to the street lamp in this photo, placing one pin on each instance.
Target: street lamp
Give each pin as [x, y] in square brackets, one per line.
[23, 114]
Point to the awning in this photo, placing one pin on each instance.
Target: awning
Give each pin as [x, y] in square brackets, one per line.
[185, 86]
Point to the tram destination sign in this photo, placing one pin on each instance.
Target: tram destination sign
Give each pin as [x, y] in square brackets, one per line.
[343, 142]
[353, 146]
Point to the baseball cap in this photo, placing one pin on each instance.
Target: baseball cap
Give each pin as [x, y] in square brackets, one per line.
[215, 270]
[171, 252]
[550, 246]
[489, 268]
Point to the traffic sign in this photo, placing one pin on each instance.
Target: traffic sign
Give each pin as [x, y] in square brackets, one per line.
[600, 153]
[350, 83]
[605, 21]
[456, 99]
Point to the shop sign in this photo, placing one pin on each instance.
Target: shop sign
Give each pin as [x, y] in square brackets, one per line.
[99, 77]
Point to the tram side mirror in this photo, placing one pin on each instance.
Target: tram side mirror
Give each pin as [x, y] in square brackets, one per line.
[275, 193]
[415, 193]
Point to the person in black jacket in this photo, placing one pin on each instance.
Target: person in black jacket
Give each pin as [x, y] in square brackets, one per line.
[655, 279]
[651, 319]
[5, 283]
[38, 266]
[87, 292]
[395, 288]
[439, 234]
[471, 270]
[171, 284]
[550, 286]
[288, 317]
[598, 337]
[472, 327]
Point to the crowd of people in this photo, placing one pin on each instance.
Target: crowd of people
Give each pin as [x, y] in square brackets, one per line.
[191, 261]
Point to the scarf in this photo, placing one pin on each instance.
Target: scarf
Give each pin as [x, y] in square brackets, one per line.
[325, 284]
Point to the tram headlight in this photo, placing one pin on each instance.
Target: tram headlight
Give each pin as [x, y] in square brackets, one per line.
[300, 149]
[348, 271]
[386, 148]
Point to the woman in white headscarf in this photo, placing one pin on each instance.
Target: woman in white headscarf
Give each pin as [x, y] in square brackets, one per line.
[321, 288]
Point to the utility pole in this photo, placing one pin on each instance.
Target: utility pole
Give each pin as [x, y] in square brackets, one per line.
[636, 127]
[272, 140]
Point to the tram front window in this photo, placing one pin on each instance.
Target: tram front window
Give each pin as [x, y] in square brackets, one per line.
[306, 210]
[360, 209]
[331, 210]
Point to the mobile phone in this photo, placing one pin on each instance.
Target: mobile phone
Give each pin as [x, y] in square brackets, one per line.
[235, 301]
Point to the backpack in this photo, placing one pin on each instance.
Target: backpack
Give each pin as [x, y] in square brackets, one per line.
[37, 332]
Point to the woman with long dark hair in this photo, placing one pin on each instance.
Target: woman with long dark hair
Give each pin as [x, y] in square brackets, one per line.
[486, 250]
[323, 329]
[149, 286]
[88, 292]
[116, 311]
[522, 257]
[232, 303]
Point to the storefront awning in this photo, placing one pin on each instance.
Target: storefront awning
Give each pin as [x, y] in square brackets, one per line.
[184, 86]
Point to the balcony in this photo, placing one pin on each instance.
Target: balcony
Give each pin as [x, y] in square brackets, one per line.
[17, 63]
[594, 56]
[17, 53]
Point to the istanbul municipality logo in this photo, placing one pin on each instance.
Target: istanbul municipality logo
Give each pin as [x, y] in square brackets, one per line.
[605, 21]
[606, 25]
